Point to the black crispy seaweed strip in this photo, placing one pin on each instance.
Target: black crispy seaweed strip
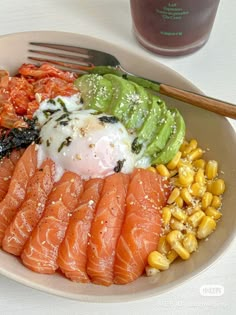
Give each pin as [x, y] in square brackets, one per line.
[18, 138]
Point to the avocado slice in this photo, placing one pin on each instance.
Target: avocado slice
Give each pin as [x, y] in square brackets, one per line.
[163, 133]
[96, 91]
[123, 97]
[139, 108]
[149, 128]
[174, 142]
[148, 84]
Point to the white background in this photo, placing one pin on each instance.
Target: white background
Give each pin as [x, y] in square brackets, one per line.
[212, 69]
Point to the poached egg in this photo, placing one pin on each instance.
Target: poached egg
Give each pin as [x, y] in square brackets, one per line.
[83, 141]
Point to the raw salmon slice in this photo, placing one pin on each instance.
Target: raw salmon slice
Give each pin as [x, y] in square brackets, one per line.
[41, 251]
[24, 170]
[31, 210]
[7, 166]
[72, 257]
[147, 194]
[106, 228]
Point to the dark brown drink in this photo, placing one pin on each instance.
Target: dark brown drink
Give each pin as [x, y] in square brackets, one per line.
[173, 27]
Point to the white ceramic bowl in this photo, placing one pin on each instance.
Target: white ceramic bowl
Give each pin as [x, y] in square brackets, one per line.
[212, 131]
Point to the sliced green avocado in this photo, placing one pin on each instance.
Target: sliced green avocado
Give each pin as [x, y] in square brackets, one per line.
[96, 91]
[123, 96]
[150, 126]
[174, 142]
[163, 133]
[148, 84]
[139, 108]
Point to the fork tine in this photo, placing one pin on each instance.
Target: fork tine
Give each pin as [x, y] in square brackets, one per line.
[85, 60]
[68, 48]
[97, 57]
[72, 66]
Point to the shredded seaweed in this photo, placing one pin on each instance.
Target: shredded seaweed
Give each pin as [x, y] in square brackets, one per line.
[136, 146]
[64, 122]
[18, 138]
[48, 112]
[119, 166]
[63, 116]
[108, 119]
[66, 143]
[63, 105]
[51, 101]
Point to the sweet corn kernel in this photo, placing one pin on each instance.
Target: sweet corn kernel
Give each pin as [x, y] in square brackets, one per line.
[175, 182]
[192, 209]
[213, 213]
[179, 202]
[174, 239]
[150, 271]
[191, 230]
[206, 227]
[173, 172]
[218, 187]
[174, 194]
[181, 251]
[183, 146]
[157, 260]
[166, 215]
[206, 200]
[211, 169]
[197, 190]
[173, 163]
[190, 242]
[185, 194]
[174, 236]
[186, 175]
[179, 214]
[216, 202]
[190, 147]
[199, 164]
[193, 144]
[200, 177]
[163, 170]
[184, 163]
[172, 255]
[195, 219]
[195, 154]
[176, 225]
[151, 169]
[163, 246]
[209, 184]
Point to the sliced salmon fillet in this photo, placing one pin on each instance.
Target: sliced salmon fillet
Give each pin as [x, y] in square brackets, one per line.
[106, 228]
[31, 210]
[24, 170]
[7, 166]
[147, 194]
[72, 257]
[41, 251]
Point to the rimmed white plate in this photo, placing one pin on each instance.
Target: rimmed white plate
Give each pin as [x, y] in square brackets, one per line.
[212, 131]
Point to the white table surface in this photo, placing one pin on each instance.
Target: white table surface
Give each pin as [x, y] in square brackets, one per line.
[212, 69]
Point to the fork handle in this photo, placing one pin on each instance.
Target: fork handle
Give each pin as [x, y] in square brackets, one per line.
[205, 102]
